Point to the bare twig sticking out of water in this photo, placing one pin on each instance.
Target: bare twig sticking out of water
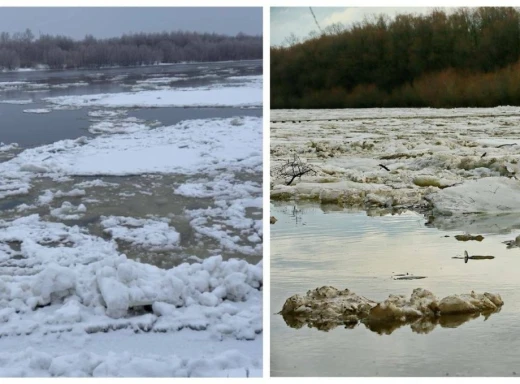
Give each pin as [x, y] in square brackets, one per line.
[384, 167]
[474, 257]
[297, 214]
[505, 145]
[292, 169]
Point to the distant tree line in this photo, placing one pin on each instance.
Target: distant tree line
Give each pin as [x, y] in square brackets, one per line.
[467, 57]
[24, 50]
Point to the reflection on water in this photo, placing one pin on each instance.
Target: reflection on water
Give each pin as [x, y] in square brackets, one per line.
[313, 245]
[422, 325]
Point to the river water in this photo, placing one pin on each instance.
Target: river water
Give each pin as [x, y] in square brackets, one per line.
[139, 196]
[315, 245]
[29, 129]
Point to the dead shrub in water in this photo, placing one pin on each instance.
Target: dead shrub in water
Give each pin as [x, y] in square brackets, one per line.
[292, 169]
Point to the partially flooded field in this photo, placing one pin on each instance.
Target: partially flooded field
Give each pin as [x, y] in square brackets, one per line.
[131, 200]
[397, 199]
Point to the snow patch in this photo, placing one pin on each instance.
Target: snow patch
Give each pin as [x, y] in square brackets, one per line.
[68, 211]
[37, 110]
[179, 97]
[152, 234]
[21, 102]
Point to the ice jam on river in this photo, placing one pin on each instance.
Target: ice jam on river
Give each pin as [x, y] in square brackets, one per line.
[80, 291]
[460, 165]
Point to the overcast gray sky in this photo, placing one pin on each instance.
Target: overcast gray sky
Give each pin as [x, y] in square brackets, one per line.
[113, 21]
[299, 20]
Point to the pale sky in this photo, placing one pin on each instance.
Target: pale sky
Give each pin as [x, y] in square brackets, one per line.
[299, 20]
[102, 22]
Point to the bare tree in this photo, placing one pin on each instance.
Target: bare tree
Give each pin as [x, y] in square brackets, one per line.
[292, 169]
[291, 40]
[22, 49]
[9, 59]
[56, 58]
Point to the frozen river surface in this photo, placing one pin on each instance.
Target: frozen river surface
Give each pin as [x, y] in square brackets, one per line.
[131, 222]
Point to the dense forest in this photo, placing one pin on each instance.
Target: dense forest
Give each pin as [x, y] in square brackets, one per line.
[23, 50]
[462, 58]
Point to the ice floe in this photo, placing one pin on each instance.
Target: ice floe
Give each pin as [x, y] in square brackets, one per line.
[62, 280]
[159, 80]
[150, 233]
[68, 211]
[189, 147]
[8, 147]
[179, 97]
[232, 199]
[327, 307]
[72, 303]
[486, 195]
[37, 110]
[448, 161]
[107, 113]
[128, 125]
[21, 102]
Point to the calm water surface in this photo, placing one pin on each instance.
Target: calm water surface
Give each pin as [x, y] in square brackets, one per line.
[313, 245]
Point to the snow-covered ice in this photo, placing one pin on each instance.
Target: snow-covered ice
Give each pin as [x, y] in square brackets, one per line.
[153, 234]
[21, 102]
[452, 161]
[68, 211]
[37, 110]
[188, 147]
[72, 303]
[67, 282]
[231, 201]
[127, 125]
[8, 147]
[87, 223]
[107, 113]
[235, 96]
[159, 80]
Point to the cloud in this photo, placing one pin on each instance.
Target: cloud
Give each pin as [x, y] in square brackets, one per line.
[298, 20]
[285, 21]
[350, 15]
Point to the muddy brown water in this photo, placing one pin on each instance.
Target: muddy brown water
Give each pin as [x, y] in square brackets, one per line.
[314, 245]
[145, 196]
